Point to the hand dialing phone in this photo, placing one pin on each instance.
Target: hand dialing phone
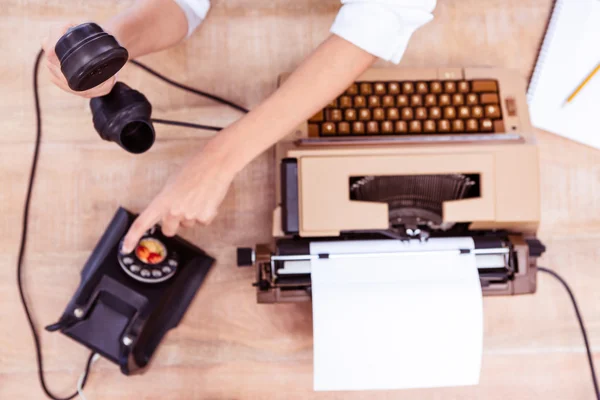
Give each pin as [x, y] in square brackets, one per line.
[126, 303]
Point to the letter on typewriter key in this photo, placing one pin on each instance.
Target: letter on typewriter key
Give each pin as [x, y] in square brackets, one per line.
[444, 125]
[429, 126]
[436, 87]
[393, 88]
[416, 100]
[387, 127]
[449, 86]
[393, 114]
[372, 127]
[366, 89]
[414, 126]
[374, 101]
[430, 100]
[421, 113]
[449, 112]
[408, 88]
[477, 111]
[360, 102]
[422, 87]
[464, 112]
[407, 113]
[472, 125]
[379, 88]
[458, 125]
[472, 99]
[458, 99]
[364, 114]
[492, 111]
[378, 114]
[328, 128]
[400, 127]
[334, 114]
[388, 101]
[345, 102]
[402, 100]
[435, 113]
[358, 128]
[486, 125]
[350, 114]
[444, 99]
[344, 128]
[463, 86]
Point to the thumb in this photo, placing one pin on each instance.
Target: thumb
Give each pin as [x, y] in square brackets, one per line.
[51, 39]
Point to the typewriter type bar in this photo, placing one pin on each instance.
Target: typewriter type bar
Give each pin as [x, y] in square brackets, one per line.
[456, 138]
[507, 266]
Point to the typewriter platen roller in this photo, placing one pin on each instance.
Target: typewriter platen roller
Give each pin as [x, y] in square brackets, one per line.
[506, 264]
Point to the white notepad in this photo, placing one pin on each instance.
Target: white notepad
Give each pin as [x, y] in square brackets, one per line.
[394, 322]
[570, 51]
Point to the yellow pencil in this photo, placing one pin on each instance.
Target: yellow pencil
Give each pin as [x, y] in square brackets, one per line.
[582, 84]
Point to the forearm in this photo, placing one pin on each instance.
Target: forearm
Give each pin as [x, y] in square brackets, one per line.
[148, 26]
[326, 73]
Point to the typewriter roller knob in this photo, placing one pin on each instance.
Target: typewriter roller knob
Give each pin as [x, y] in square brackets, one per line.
[245, 257]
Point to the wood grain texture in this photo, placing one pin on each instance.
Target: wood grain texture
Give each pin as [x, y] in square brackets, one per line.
[228, 347]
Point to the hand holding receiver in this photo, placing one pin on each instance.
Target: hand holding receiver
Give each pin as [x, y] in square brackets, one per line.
[83, 59]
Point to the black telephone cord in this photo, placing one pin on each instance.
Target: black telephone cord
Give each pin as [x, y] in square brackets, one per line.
[27, 206]
[581, 325]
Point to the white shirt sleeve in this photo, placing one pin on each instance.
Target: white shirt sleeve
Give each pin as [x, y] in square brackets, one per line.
[195, 12]
[382, 27]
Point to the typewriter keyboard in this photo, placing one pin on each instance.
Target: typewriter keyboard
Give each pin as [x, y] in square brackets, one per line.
[412, 108]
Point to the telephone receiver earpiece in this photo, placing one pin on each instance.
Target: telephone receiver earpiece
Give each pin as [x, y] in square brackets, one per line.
[88, 57]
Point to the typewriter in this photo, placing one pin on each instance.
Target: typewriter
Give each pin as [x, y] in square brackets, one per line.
[409, 154]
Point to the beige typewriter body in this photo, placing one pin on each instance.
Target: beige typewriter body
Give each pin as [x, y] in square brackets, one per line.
[317, 182]
[508, 170]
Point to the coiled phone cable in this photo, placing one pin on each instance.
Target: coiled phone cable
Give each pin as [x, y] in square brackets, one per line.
[25, 223]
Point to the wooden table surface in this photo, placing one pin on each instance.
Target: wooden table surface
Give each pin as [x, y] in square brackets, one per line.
[228, 347]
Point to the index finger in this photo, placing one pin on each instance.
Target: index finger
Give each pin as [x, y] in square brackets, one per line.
[144, 222]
